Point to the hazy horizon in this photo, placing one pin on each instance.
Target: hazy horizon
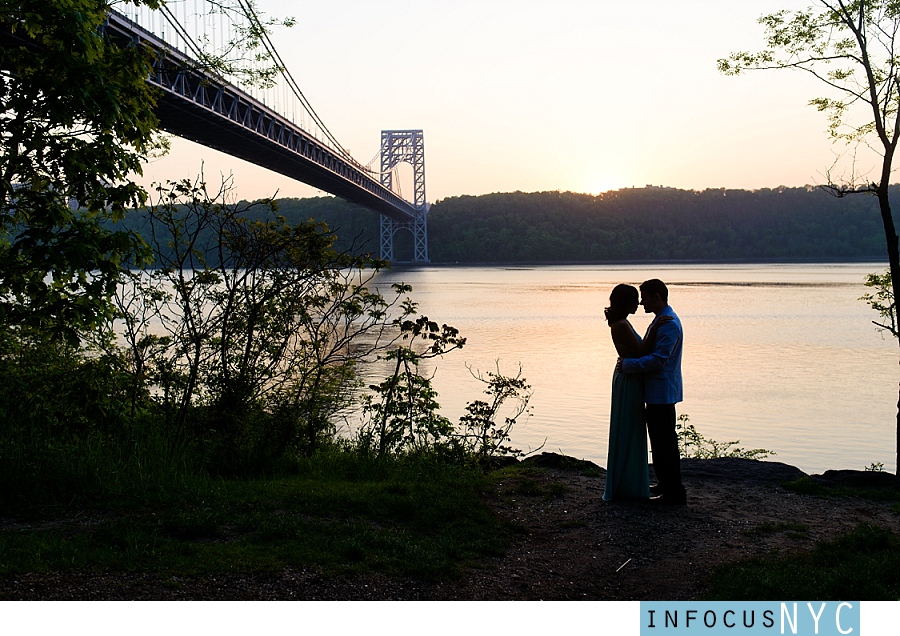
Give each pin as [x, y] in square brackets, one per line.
[806, 186]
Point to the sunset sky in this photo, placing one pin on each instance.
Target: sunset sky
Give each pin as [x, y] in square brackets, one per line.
[545, 95]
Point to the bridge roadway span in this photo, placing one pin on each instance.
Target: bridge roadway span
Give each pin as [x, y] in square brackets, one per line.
[213, 113]
[216, 114]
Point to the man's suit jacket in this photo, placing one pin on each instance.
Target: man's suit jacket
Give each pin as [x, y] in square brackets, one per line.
[662, 367]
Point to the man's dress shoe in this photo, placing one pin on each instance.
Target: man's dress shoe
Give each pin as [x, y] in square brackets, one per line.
[668, 500]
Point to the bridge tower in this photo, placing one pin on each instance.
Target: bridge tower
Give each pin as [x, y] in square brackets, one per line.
[409, 146]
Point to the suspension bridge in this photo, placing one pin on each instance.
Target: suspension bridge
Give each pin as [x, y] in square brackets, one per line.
[201, 65]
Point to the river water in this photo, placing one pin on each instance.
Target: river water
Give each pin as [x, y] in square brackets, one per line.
[782, 357]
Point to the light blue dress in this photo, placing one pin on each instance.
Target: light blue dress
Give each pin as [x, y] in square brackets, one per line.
[627, 474]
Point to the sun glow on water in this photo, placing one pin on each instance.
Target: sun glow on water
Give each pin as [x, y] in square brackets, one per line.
[781, 356]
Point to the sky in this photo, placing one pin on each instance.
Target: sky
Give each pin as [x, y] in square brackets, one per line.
[582, 96]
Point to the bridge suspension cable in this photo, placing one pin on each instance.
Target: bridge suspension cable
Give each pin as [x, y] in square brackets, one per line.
[291, 82]
[208, 29]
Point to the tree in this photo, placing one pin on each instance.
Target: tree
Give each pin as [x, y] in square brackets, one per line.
[76, 118]
[248, 331]
[76, 124]
[481, 435]
[402, 413]
[853, 48]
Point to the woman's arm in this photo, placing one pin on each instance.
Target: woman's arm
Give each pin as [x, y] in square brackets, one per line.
[626, 343]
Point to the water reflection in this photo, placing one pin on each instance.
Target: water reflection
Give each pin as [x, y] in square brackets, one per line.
[779, 356]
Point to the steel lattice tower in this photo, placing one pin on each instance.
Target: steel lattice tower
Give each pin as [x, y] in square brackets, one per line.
[409, 146]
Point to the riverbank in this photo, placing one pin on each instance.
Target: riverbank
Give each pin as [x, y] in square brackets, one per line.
[566, 542]
[411, 265]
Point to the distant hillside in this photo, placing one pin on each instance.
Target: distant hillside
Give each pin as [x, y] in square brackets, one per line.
[357, 228]
[638, 224]
[656, 224]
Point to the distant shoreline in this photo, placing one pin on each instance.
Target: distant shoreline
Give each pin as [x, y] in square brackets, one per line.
[766, 261]
[408, 265]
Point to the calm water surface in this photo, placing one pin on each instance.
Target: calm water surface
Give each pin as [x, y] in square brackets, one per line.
[782, 357]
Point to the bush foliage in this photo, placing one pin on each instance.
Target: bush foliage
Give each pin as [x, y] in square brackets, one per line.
[235, 351]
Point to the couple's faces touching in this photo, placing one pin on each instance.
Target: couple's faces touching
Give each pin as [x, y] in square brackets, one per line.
[652, 304]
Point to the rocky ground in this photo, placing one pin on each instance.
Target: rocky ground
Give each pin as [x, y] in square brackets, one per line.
[570, 545]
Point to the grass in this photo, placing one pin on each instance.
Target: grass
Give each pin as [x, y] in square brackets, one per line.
[862, 565]
[793, 530]
[528, 481]
[97, 471]
[339, 512]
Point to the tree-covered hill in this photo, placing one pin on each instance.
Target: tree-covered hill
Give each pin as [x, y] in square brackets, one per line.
[632, 224]
[656, 224]
[356, 227]
[635, 224]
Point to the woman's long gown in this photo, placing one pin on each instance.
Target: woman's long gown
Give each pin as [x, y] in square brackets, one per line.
[627, 474]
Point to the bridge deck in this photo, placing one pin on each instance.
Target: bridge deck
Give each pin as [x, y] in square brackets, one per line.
[209, 111]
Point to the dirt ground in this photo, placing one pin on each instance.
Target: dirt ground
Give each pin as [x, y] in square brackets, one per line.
[570, 544]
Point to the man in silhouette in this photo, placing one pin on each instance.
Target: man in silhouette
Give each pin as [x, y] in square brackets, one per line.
[662, 390]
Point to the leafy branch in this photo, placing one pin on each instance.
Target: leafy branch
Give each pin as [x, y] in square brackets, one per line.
[691, 443]
[480, 433]
[882, 301]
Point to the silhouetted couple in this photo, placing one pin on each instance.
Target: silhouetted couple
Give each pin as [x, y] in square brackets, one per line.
[646, 386]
